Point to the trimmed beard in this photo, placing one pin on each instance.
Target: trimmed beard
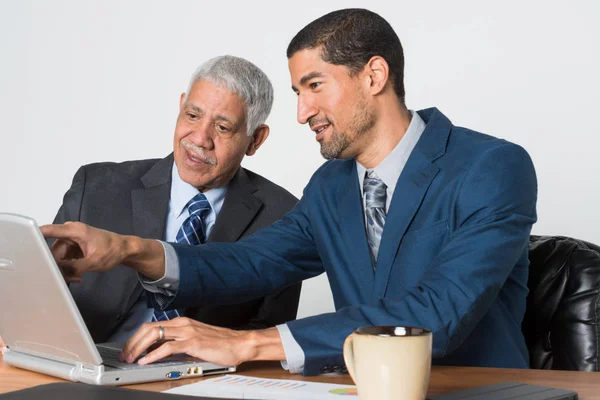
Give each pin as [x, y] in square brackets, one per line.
[363, 121]
[333, 148]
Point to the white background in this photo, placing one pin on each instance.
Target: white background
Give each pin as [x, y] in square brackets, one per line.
[84, 81]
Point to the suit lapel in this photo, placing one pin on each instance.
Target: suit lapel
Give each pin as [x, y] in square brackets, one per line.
[149, 206]
[352, 223]
[411, 188]
[408, 195]
[150, 203]
[239, 209]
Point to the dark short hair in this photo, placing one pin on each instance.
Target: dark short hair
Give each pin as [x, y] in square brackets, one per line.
[351, 37]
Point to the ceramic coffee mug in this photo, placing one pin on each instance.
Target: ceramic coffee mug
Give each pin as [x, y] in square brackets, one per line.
[389, 362]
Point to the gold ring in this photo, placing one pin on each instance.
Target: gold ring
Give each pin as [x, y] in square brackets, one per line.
[161, 333]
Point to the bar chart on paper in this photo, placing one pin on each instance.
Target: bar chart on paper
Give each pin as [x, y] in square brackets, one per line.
[248, 387]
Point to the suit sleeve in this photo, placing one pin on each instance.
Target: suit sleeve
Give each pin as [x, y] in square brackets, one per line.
[277, 308]
[494, 209]
[280, 306]
[273, 258]
[70, 210]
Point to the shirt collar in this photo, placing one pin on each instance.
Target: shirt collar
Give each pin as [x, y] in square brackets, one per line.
[182, 192]
[391, 167]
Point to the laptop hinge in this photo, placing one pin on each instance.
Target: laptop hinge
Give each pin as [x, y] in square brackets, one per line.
[39, 364]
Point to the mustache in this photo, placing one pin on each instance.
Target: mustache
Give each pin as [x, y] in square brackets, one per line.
[198, 152]
[314, 121]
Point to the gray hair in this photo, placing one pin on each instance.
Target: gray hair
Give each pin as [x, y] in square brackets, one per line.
[243, 78]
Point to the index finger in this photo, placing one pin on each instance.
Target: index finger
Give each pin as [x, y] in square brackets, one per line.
[145, 336]
[164, 350]
[59, 231]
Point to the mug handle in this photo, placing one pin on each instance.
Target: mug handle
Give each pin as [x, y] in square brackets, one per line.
[349, 356]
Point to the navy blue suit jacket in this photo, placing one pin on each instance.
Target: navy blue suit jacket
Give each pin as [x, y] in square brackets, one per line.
[452, 258]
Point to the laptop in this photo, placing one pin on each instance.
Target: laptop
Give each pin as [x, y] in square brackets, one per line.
[43, 329]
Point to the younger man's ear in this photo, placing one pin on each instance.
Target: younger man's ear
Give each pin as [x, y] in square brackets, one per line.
[378, 71]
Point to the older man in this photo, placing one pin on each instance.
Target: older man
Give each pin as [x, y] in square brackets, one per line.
[416, 221]
[197, 194]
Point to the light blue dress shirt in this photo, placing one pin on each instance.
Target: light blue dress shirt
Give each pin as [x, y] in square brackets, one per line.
[181, 194]
[388, 170]
[391, 167]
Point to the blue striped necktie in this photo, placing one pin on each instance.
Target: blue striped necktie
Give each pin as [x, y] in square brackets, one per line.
[191, 232]
[375, 196]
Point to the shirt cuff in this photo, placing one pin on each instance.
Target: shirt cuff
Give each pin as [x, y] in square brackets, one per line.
[293, 352]
[165, 288]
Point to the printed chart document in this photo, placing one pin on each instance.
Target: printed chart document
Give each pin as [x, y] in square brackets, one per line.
[248, 387]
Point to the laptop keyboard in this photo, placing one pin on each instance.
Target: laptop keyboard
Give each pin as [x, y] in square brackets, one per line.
[110, 357]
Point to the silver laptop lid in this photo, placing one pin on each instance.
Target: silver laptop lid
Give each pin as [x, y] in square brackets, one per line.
[37, 313]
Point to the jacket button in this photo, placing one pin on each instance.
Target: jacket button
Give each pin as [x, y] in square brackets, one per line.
[119, 316]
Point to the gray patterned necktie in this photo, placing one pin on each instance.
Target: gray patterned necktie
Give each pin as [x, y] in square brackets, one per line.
[375, 195]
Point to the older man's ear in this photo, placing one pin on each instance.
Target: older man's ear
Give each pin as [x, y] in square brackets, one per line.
[260, 135]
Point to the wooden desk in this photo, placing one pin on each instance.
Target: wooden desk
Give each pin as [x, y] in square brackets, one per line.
[443, 379]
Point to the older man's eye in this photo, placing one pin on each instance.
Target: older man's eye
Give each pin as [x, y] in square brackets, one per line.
[224, 131]
[192, 116]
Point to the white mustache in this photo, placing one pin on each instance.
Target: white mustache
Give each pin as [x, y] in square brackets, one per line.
[198, 152]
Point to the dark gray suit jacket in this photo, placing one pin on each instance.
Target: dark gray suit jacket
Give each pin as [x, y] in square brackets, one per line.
[132, 198]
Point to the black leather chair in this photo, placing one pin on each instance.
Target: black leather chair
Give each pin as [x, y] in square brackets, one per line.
[562, 321]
